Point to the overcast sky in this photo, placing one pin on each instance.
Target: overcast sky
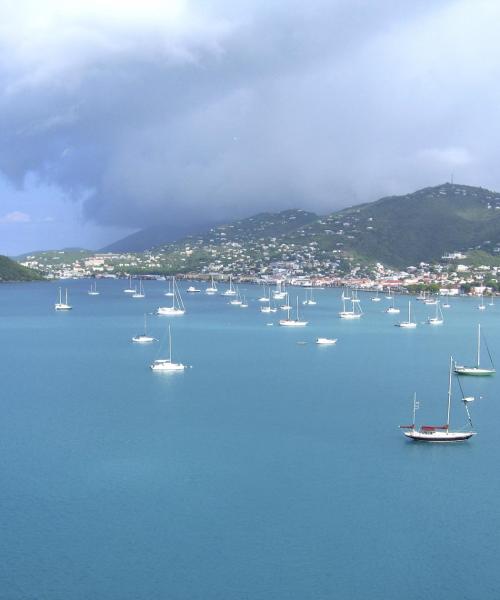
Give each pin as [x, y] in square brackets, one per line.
[118, 114]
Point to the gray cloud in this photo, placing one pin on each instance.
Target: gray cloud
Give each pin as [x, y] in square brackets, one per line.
[179, 111]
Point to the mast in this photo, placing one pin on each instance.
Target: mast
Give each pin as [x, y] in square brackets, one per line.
[66, 301]
[169, 345]
[409, 311]
[449, 395]
[414, 408]
[297, 308]
[478, 344]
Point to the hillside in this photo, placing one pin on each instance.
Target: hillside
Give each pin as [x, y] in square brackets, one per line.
[423, 226]
[12, 271]
[398, 231]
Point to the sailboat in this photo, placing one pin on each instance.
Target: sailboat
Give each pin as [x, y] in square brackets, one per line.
[430, 300]
[389, 296]
[193, 290]
[482, 305]
[130, 289]
[477, 370]
[438, 318]
[446, 304]
[286, 306]
[293, 322]
[244, 303]
[166, 364]
[62, 305]
[279, 293]
[230, 291]
[93, 289]
[354, 313]
[440, 433]
[169, 292]
[143, 338]
[392, 310]
[265, 298]
[375, 298]
[324, 341]
[212, 289]
[492, 300]
[407, 324]
[309, 301]
[421, 297]
[139, 293]
[177, 307]
[236, 301]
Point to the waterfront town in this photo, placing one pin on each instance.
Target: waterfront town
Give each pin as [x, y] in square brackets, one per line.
[453, 275]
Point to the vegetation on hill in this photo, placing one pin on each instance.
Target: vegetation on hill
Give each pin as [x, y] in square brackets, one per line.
[12, 271]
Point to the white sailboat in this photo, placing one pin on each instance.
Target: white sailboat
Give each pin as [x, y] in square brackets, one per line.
[407, 324]
[63, 305]
[236, 301]
[309, 301]
[492, 300]
[193, 290]
[392, 310]
[93, 289]
[375, 298]
[177, 308]
[130, 289]
[476, 370]
[323, 341]
[230, 291]
[389, 296]
[430, 300]
[437, 319]
[143, 338]
[166, 364]
[244, 303]
[440, 433]
[354, 313]
[140, 292]
[212, 289]
[482, 305]
[286, 306]
[293, 322]
[279, 293]
[169, 292]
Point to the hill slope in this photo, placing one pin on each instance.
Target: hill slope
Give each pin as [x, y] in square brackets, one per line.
[12, 271]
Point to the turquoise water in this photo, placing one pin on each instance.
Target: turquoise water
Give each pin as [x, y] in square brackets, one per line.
[269, 470]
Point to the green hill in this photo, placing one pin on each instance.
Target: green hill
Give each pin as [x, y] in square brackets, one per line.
[12, 271]
[398, 230]
[423, 226]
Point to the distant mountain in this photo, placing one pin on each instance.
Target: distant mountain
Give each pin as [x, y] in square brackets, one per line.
[156, 235]
[423, 226]
[398, 231]
[12, 271]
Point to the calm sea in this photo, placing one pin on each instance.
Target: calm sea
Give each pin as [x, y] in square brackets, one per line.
[271, 469]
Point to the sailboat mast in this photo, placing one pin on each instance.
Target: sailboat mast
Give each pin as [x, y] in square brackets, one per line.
[169, 344]
[478, 344]
[66, 301]
[414, 408]
[409, 311]
[449, 393]
[297, 308]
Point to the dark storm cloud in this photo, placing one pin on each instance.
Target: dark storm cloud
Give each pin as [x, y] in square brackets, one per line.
[176, 111]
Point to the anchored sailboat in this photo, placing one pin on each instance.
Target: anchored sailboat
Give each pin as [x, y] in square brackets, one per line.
[62, 305]
[438, 318]
[166, 364]
[169, 292]
[392, 310]
[293, 322]
[440, 433]
[212, 289]
[230, 291]
[407, 324]
[177, 307]
[130, 289]
[139, 293]
[143, 338]
[93, 289]
[477, 370]
[309, 301]
[355, 312]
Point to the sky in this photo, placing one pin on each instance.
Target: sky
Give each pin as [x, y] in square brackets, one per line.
[117, 114]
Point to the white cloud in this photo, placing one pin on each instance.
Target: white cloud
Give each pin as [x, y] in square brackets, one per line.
[15, 216]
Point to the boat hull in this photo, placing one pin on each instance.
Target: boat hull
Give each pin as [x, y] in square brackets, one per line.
[286, 323]
[474, 371]
[439, 436]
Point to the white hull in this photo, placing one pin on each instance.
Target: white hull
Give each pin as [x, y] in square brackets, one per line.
[143, 339]
[166, 365]
[439, 436]
[434, 321]
[138, 295]
[93, 293]
[193, 290]
[349, 315]
[292, 323]
[326, 341]
[168, 311]
[169, 294]
[376, 299]
[406, 325]
[211, 291]
[60, 306]
[309, 302]
[474, 371]
[393, 311]
[129, 291]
